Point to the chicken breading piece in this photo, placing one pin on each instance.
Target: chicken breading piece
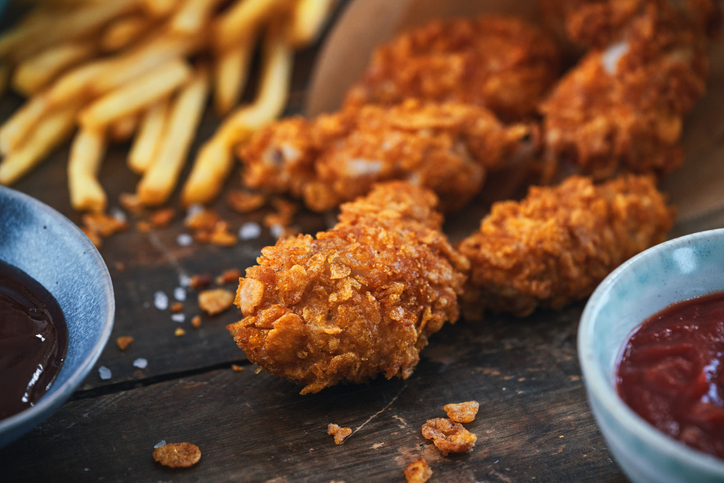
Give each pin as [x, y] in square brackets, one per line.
[338, 157]
[502, 63]
[558, 243]
[355, 301]
[621, 108]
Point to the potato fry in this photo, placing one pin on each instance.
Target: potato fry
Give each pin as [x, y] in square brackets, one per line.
[231, 71]
[36, 72]
[86, 155]
[215, 159]
[123, 32]
[160, 180]
[48, 133]
[242, 17]
[308, 18]
[193, 15]
[160, 8]
[149, 133]
[123, 129]
[137, 94]
[14, 131]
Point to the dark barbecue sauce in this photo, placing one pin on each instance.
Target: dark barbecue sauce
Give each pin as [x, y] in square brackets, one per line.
[672, 372]
[33, 340]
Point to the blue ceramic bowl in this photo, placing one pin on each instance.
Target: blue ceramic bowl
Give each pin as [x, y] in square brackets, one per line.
[678, 270]
[48, 247]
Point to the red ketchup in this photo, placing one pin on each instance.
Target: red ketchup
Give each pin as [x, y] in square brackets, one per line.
[672, 374]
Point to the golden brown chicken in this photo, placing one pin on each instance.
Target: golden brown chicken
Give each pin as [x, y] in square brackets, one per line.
[557, 244]
[502, 63]
[355, 301]
[338, 157]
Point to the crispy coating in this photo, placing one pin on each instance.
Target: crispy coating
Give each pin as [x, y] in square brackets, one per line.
[177, 455]
[463, 412]
[449, 436]
[621, 108]
[357, 300]
[338, 157]
[557, 244]
[502, 63]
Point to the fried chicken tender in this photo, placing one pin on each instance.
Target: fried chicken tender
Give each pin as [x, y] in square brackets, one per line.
[502, 63]
[338, 157]
[357, 300]
[557, 244]
[621, 108]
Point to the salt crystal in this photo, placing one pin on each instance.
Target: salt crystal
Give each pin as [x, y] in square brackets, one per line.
[118, 214]
[194, 210]
[86, 469]
[141, 363]
[179, 293]
[249, 231]
[184, 280]
[184, 240]
[160, 300]
[178, 317]
[276, 230]
[159, 444]
[612, 55]
[104, 372]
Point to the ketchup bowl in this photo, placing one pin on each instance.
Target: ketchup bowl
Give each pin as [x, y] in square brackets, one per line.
[682, 269]
[50, 249]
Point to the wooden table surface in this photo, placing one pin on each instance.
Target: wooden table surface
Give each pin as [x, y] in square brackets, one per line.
[534, 422]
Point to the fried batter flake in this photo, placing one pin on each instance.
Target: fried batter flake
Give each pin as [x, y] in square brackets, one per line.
[339, 433]
[502, 63]
[123, 342]
[418, 471]
[244, 201]
[163, 217]
[338, 157]
[357, 300]
[215, 301]
[177, 455]
[464, 412]
[558, 243]
[448, 436]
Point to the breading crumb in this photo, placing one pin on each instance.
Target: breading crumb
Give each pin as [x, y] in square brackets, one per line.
[215, 301]
[338, 432]
[448, 436]
[464, 412]
[177, 455]
[418, 471]
[124, 341]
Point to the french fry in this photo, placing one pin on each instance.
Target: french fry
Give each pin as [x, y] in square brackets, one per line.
[231, 71]
[159, 8]
[193, 15]
[242, 17]
[308, 18]
[123, 32]
[149, 132]
[137, 94]
[123, 129]
[36, 72]
[215, 159]
[14, 131]
[73, 87]
[160, 180]
[48, 133]
[86, 155]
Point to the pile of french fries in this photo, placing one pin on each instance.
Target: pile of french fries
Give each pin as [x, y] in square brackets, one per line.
[103, 71]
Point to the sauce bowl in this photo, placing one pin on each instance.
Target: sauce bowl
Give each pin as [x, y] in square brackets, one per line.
[674, 271]
[51, 249]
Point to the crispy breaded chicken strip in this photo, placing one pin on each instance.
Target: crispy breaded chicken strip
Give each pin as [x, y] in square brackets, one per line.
[621, 108]
[557, 244]
[338, 157]
[502, 63]
[355, 301]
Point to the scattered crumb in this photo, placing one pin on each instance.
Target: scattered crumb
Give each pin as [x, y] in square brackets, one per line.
[163, 217]
[184, 240]
[215, 301]
[144, 226]
[179, 332]
[102, 224]
[124, 341]
[418, 471]
[200, 281]
[221, 236]
[141, 363]
[285, 210]
[244, 201]
[196, 321]
[237, 368]
[131, 203]
[229, 276]
[177, 455]
[448, 436]
[338, 432]
[160, 300]
[93, 237]
[249, 231]
[177, 307]
[120, 266]
[105, 373]
[464, 412]
[201, 219]
[258, 370]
